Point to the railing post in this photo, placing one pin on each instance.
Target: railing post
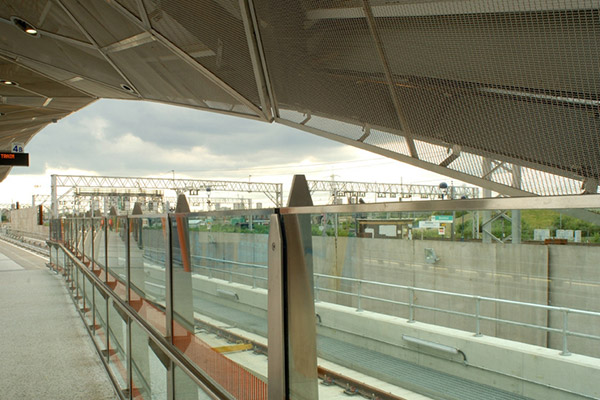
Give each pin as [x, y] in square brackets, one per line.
[477, 316]
[83, 240]
[230, 273]
[93, 238]
[278, 379]
[105, 249]
[127, 260]
[317, 289]
[75, 246]
[411, 303]
[358, 305]
[298, 283]
[107, 323]
[565, 351]
[168, 260]
[253, 277]
[129, 356]
[83, 292]
[93, 308]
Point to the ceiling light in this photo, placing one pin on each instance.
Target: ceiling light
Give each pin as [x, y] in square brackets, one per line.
[127, 88]
[25, 26]
[8, 83]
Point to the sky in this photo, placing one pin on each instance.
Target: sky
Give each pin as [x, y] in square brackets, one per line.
[146, 139]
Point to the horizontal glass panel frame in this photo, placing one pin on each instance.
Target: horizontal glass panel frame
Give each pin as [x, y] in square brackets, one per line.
[588, 201]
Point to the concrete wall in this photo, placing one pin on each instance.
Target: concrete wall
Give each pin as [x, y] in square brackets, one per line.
[517, 272]
[520, 368]
[575, 272]
[524, 369]
[562, 276]
[25, 220]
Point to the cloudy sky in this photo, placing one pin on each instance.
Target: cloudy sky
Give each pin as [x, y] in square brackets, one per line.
[131, 138]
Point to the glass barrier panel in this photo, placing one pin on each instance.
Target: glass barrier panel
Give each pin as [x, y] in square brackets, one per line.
[219, 287]
[148, 372]
[516, 275]
[79, 286]
[75, 235]
[87, 239]
[53, 259]
[70, 274]
[147, 269]
[100, 313]
[71, 234]
[88, 309]
[117, 342]
[99, 244]
[80, 236]
[186, 388]
[67, 232]
[60, 260]
[59, 231]
[117, 254]
[53, 235]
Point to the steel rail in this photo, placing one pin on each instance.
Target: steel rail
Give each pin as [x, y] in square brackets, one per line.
[412, 306]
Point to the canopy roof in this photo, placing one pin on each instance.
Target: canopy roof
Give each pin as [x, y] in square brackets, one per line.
[501, 94]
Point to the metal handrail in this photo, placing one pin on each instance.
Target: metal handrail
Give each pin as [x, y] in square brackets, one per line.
[588, 201]
[412, 306]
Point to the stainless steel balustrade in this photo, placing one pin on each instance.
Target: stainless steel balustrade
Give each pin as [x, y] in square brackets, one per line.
[75, 240]
[75, 252]
[412, 306]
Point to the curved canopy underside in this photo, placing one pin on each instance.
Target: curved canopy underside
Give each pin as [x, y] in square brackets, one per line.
[501, 94]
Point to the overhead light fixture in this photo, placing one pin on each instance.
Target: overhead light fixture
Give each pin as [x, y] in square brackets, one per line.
[25, 26]
[8, 83]
[127, 88]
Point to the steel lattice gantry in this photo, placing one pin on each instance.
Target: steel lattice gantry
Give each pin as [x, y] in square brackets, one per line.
[501, 94]
[273, 191]
[360, 189]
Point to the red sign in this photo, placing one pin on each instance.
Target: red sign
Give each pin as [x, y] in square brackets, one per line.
[15, 159]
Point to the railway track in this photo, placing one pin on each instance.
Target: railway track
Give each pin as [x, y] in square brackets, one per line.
[349, 386]
[28, 246]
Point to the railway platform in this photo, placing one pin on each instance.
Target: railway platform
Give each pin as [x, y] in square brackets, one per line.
[45, 351]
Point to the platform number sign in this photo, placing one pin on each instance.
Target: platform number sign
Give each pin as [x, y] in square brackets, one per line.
[17, 148]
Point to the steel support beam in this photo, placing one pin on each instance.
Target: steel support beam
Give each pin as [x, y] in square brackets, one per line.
[97, 47]
[390, 80]
[474, 180]
[253, 47]
[183, 56]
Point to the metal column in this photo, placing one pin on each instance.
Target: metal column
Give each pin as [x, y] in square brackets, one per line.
[300, 337]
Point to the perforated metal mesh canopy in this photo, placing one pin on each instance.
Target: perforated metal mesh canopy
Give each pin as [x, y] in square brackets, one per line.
[503, 94]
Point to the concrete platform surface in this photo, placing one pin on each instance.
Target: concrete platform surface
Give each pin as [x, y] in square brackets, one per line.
[45, 351]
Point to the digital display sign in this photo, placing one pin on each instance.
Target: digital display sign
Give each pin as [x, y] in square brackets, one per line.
[15, 159]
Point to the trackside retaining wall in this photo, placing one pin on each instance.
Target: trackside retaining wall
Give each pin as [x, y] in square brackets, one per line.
[528, 370]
